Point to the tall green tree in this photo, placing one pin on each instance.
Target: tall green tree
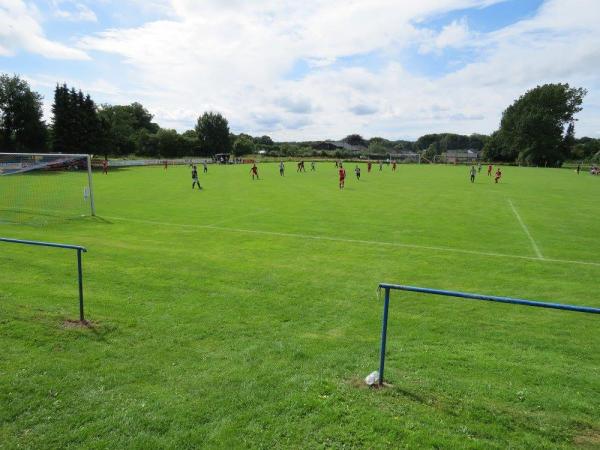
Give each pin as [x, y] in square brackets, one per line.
[21, 124]
[540, 125]
[76, 127]
[170, 143]
[355, 139]
[125, 123]
[585, 148]
[213, 132]
[497, 149]
[264, 140]
[243, 145]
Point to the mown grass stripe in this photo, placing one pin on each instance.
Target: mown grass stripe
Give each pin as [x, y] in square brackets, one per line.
[355, 241]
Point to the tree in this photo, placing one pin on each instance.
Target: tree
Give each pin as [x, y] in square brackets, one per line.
[478, 141]
[432, 150]
[585, 148]
[169, 143]
[404, 146]
[264, 140]
[213, 132]
[146, 144]
[540, 124]
[21, 124]
[355, 139]
[244, 145]
[379, 146]
[142, 118]
[76, 127]
[425, 141]
[497, 149]
[569, 141]
[191, 144]
[125, 123]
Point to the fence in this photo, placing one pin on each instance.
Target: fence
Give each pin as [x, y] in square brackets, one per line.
[489, 298]
[79, 250]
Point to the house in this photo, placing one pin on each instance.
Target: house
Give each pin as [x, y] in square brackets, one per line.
[462, 156]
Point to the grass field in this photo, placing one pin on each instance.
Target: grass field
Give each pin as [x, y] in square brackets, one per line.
[246, 314]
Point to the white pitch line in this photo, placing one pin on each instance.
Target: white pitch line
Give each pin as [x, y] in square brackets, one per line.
[526, 230]
[356, 241]
[228, 219]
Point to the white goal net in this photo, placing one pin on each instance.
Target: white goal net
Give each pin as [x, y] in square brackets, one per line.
[406, 158]
[39, 188]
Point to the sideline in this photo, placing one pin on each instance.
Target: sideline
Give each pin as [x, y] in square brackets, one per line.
[526, 230]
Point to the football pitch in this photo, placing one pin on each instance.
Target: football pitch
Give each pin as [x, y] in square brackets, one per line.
[245, 315]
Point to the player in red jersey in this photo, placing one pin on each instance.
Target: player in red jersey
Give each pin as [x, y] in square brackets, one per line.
[489, 170]
[254, 171]
[166, 164]
[342, 173]
[498, 175]
[393, 166]
[369, 167]
[105, 167]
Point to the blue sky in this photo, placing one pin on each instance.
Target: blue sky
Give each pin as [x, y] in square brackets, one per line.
[309, 70]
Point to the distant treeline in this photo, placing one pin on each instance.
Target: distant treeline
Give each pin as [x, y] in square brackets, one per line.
[537, 129]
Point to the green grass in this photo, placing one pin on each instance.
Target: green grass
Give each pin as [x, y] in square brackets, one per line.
[245, 315]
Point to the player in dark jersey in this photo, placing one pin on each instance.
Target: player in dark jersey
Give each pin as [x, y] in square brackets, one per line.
[357, 172]
[281, 169]
[205, 167]
[195, 178]
[254, 171]
[472, 172]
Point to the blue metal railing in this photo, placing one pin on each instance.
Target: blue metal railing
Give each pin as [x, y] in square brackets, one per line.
[489, 298]
[79, 250]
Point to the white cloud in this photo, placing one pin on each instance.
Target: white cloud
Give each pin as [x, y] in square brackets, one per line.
[73, 11]
[20, 30]
[456, 34]
[235, 57]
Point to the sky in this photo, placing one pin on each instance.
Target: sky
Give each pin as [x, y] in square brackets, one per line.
[311, 69]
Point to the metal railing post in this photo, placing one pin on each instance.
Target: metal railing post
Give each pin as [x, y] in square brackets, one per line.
[79, 250]
[80, 272]
[386, 306]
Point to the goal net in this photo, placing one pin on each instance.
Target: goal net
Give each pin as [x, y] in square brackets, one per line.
[39, 188]
[407, 158]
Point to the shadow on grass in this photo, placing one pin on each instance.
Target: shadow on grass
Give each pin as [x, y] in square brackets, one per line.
[94, 330]
[99, 220]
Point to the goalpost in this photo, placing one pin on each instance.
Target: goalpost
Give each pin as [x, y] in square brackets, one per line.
[39, 187]
[406, 158]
